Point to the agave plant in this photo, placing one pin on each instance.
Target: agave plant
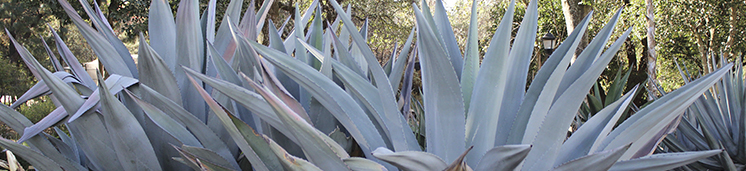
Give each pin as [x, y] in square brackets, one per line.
[714, 121]
[221, 101]
[598, 98]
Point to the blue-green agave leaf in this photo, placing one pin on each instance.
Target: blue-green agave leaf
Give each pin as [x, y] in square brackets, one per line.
[663, 161]
[289, 162]
[410, 160]
[448, 38]
[126, 134]
[156, 73]
[162, 32]
[596, 161]
[230, 127]
[204, 134]
[388, 116]
[108, 55]
[363, 164]
[319, 148]
[481, 120]
[38, 160]
[594, 130]
[397, 70]
[506, 157]
[189, 46]
[336, 100]
[543, 88]
[443, 118]
[547, 141]
[645, 126]
[104, 28]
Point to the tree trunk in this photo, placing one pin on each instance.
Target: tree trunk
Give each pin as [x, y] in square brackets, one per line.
[574, 13]
[652, 56]
[732, 32]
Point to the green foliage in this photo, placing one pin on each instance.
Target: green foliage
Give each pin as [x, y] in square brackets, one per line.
[37, 110]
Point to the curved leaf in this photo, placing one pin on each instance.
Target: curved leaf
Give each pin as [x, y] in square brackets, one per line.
[506, 157]
[38, 160]
[481, 120]
[410, 160]
[443, 118]
[597, 161]
[664, 161]
[156, 72]
[338, 102]
[126, 133]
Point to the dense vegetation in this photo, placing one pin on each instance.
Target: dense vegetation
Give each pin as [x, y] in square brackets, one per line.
[309, 91]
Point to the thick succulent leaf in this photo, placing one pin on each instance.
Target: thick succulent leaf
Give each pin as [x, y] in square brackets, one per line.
[388, 116]
[596, 161]
[443, 118]
[248, 99]
[506, 157]
[206, 155]
[224, 69]
[230, 127]
[449, 43]
[363, 164]
[459, 164]
[260, 147]
[126, 134]
[589, 54]
[13, 119]
[108, 55]
[664, 161]
[58, 87]
[641, 129]
[204, 134]
[275, 41]
[336, 100]
[481, 120]
[410, 160]
[40, 88]
[344, 56]
[156, 72]
[397, 70]
[261, 15]
[115, 84]
[164, 131]
[162, 31]
[51, 119]
[319, 148]
[289, 162]
[70, 100]
[168, 124]
[405, 95]
[189, 53]
[18, 122]
[38, 160]
[104, 155]
[471, 57]
[519, 61]
[553, 131]
[543, 88]
[55, 62]
[594, 130]
[67, 56]
[208, 21]
[104, 29]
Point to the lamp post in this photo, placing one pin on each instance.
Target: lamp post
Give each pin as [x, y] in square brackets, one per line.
[547, 41]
